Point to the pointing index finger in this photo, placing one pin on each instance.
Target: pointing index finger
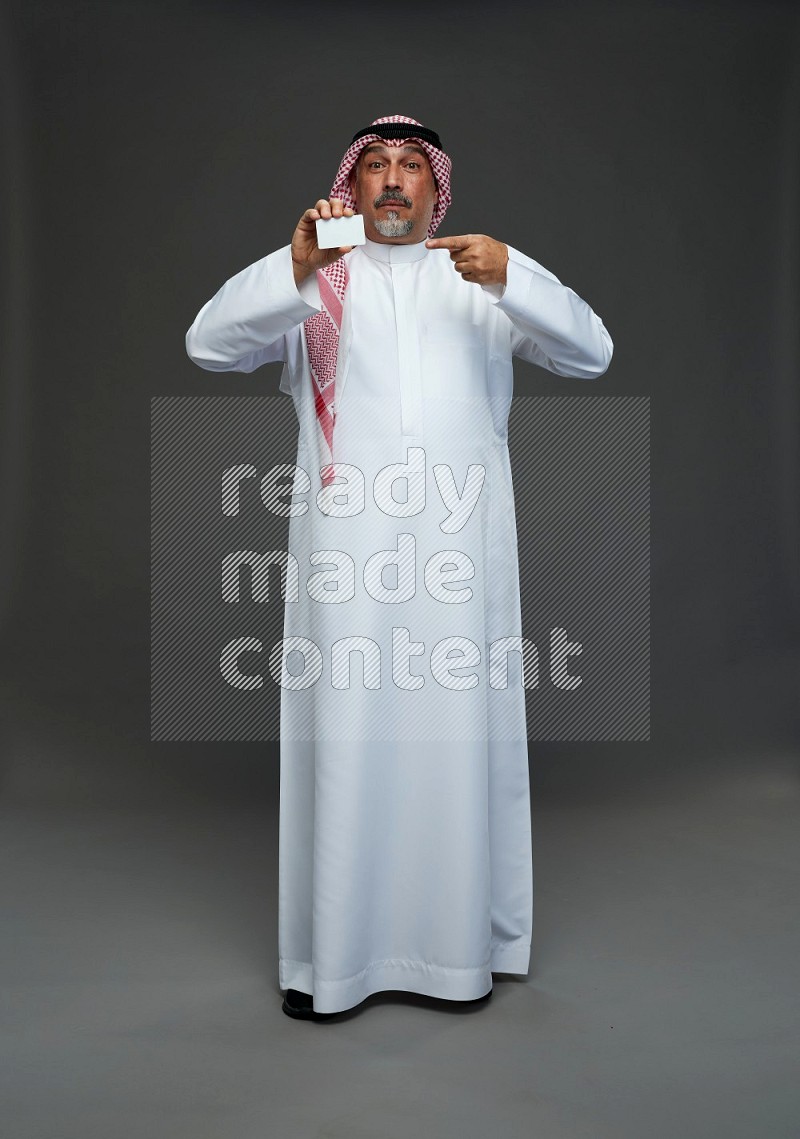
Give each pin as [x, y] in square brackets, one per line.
[447, 242]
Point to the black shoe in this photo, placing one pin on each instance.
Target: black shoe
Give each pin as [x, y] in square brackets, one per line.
[301, 1006]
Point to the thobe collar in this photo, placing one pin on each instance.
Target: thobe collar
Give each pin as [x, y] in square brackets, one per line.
[395, 254]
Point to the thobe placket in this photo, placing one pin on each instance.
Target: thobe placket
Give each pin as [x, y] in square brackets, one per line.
[408, 354]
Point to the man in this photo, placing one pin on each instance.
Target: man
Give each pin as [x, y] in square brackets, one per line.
[405, 839]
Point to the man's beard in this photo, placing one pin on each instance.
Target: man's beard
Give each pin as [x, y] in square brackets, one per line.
[393, 226]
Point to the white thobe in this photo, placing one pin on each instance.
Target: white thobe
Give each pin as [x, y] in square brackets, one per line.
[405, 858]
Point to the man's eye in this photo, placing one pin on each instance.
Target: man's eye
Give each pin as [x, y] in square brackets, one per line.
[413, 164]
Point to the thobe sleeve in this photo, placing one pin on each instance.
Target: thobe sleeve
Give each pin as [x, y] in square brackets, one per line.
[551, 325]
[244, 325]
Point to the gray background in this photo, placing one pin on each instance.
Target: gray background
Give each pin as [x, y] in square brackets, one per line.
[647, 154]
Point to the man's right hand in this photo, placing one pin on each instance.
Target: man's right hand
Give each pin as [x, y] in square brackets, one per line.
[307, 256]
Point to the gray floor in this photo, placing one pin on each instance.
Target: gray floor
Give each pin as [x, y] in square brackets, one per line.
[139, 970]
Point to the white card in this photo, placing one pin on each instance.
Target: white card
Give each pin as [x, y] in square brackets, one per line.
[333, 232]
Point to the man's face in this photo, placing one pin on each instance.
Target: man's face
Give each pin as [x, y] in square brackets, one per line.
[395, 192]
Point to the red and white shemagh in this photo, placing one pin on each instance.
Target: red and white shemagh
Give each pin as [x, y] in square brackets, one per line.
[323, 328]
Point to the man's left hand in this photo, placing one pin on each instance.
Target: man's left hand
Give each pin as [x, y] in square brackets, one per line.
[479, 259]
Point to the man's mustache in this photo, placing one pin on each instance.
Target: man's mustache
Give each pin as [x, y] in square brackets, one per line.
[392, 196]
